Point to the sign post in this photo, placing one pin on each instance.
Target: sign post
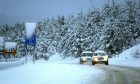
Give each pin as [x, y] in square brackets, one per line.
[30, 38]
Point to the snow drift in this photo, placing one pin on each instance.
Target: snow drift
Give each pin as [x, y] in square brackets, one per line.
[129, 57]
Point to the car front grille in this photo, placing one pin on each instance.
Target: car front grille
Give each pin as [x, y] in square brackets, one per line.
[88, 58]
[100, 58]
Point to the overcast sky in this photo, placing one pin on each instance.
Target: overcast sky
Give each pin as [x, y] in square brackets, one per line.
[12, 11]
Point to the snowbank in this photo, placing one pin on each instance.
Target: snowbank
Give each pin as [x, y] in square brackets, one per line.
[130, 57]
[56, 58]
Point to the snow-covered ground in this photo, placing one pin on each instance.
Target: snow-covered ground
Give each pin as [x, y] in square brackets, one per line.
[54, 71]
[129, 57]
[66, 71]
[57, 59]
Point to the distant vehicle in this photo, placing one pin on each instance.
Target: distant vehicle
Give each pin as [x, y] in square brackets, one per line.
[86, 56]
[99, 57]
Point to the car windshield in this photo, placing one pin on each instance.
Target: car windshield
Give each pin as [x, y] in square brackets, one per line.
[99, 54]
[86, 54]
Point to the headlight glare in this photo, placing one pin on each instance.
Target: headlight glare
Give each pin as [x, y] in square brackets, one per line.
[84, 59]
[95, 59]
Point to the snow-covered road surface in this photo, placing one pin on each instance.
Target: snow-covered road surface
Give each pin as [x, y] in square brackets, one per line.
[43, 72]
[69, 72]
[120, 75]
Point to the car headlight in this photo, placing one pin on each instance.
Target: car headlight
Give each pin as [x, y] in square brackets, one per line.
[105, 58]
[84, 59]
[95, 59]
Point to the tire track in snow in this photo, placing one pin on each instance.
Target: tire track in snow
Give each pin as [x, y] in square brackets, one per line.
[120, 75]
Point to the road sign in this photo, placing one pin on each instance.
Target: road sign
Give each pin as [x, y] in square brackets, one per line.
[31, 40]
[10, 48]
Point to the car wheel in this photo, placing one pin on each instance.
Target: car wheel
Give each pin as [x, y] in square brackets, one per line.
[106, 63]
[93, 63]
[81, 62]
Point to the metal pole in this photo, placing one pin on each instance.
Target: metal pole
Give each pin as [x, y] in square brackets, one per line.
[34, 49]
[26, 55]
[26, 51]
[34, 56]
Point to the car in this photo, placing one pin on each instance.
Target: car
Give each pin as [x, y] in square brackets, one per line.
[100, 56]
[86, 56]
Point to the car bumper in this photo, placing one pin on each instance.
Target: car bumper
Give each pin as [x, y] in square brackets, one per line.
[86, 60]
[100, 60]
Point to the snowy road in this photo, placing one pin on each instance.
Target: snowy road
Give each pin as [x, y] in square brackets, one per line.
[120, 75]
[43, 72]
[69, 72]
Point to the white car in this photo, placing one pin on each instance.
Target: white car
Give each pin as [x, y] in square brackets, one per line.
[99, 56]
[86, 56]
